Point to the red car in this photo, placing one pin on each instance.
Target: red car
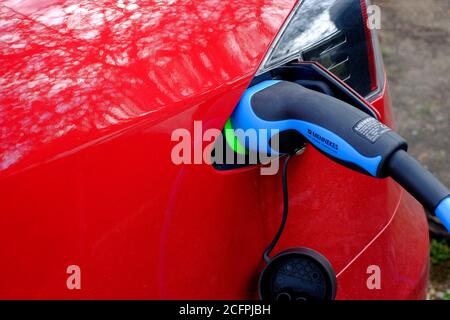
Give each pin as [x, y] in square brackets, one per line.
[92, 205]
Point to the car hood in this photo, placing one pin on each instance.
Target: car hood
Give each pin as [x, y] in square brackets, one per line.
[73, 73]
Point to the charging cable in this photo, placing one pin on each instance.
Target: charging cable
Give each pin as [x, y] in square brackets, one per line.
[285, 209]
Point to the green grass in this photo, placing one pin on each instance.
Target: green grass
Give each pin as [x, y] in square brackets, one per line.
[439, 252]
[426, 109]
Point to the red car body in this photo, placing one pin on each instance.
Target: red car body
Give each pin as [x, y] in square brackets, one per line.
[91, 92]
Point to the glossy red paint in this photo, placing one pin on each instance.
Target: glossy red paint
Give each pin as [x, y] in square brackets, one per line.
[91, 92]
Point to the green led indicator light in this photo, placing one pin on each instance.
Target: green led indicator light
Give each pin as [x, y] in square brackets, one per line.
[232, 140]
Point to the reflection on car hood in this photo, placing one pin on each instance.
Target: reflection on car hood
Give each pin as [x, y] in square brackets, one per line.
[72, 72]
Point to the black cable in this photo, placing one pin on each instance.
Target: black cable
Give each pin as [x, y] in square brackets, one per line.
[285, 210]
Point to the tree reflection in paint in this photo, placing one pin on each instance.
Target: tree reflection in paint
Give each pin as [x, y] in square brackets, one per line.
[73, 71]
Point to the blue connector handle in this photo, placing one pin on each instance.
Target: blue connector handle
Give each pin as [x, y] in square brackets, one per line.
[340, 131]
[337, 129]
[443, 212]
